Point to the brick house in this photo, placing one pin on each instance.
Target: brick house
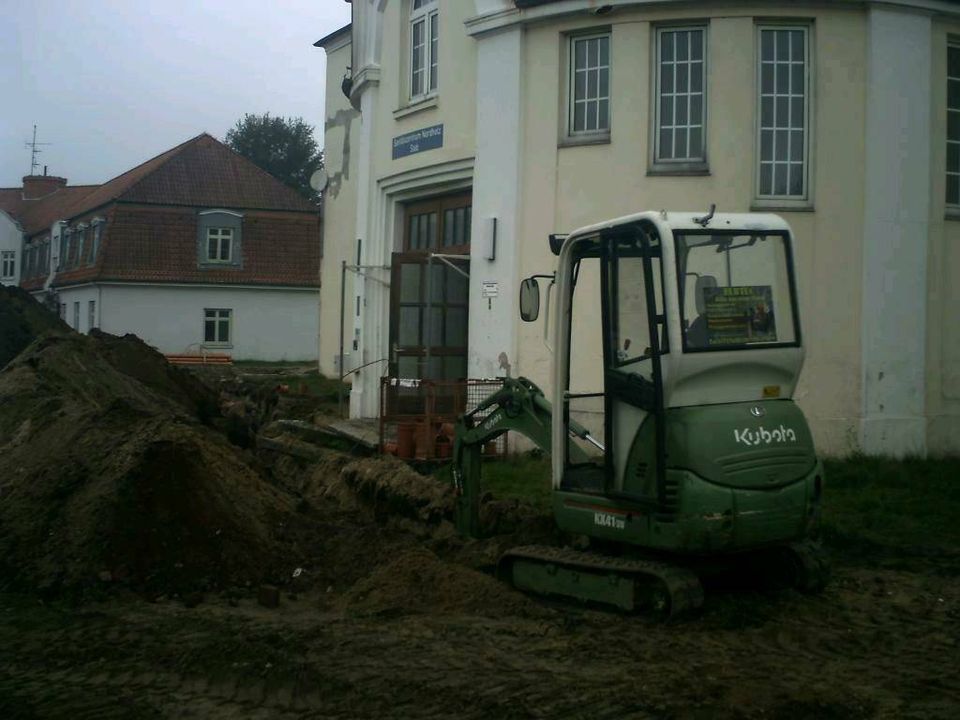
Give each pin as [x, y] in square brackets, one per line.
[197, 248]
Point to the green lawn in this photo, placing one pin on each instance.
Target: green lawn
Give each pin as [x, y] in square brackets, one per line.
[869, 502]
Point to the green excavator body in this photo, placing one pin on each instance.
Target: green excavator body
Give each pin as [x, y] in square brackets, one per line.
[702, 452]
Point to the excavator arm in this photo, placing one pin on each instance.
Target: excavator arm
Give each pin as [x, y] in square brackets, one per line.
[519, 406]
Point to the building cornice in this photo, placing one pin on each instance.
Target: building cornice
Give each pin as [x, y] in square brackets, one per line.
[501, 19]
[367, 77]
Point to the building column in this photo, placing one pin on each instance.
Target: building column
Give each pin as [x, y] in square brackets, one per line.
[496, 196]
[367, 32]
[896, 230]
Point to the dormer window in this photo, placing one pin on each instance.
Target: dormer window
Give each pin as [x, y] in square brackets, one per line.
[97, 230]
[424, 45]
[219, 244]
[76, 258]
[219, 239]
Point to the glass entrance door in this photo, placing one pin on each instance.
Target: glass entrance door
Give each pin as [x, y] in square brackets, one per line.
[429, 295]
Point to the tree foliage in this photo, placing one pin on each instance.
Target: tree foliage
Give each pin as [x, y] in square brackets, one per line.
[284, 147]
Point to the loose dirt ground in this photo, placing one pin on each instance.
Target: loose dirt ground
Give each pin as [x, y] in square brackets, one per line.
[876, 644]
[139, 518]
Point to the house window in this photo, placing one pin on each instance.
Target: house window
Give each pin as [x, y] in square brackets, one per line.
[64, 248]
[76, 316]
[784, 112]
[216, 326]
[81, 236]
[63, 311]
[91, 314]
[219, 244]
[8, 264]
[589, 90]
[953, 124]
[680, 83]
[97, 229]
[424, 42]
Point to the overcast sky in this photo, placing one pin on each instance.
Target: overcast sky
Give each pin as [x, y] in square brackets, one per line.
[112, 83]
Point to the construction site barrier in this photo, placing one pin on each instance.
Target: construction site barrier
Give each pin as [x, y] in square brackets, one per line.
[417, 417]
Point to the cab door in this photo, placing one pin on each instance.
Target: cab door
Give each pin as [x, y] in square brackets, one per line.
[636, 337]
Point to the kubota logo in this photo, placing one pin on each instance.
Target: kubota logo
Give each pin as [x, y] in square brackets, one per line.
[762, 436]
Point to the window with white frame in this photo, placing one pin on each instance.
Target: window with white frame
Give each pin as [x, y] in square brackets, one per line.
[64, 248]
[589, 85]
[681, 93]
[784, 77]
[8, 264]
[219, 244]
[424, 46]
[81, 236]
[76, 315]
[95, 243]
[953, 124]
[91, 314]
[216, 326]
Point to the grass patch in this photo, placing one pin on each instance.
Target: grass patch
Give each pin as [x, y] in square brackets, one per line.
[315, 385]
[877, 501]
[299, 379]
[518, 477]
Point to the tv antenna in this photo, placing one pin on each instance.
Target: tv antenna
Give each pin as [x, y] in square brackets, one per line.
[34, 151]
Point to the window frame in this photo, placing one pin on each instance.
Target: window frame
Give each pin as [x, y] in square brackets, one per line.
[216, 319]
[686, 166]
[568, 135]
[772, 201]
[8, 265]
[219, 238]
[792, 287]
[427, 13]
[91, 315]
[952, 207]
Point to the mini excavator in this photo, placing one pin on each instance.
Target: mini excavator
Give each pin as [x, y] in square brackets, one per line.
[688, 451]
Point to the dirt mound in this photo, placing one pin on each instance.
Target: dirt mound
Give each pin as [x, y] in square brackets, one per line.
[417, 581]
[134, 358]
[106, 472]
[22, 320]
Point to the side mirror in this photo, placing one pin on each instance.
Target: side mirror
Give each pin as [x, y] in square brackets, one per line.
[529, 300]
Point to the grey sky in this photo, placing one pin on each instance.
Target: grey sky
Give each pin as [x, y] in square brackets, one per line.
[112, 83]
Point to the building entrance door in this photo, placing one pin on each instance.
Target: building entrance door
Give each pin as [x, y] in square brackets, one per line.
[429, 291]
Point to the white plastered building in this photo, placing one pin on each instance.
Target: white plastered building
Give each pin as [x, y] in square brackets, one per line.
[520, 119]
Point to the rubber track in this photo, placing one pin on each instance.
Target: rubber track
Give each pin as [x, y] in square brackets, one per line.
[686, 592]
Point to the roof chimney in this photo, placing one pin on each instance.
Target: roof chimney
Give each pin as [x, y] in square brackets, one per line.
[38, 186]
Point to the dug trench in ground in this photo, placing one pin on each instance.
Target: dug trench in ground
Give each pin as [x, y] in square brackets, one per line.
[117, 471]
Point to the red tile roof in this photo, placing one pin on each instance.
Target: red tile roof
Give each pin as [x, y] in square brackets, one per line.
[154, 244]
[201, 172]
[151, 212]
[37, 216]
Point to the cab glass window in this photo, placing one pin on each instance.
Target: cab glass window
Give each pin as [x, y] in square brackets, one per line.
[736, 291]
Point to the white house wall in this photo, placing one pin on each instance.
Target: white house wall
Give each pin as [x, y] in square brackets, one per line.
[268, 324]
[568, 187]
[871, 120]
[341, 137]
[943, 271]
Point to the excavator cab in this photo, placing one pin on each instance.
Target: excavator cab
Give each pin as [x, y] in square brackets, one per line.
[677, 348]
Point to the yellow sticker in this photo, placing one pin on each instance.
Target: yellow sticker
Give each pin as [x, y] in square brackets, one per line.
[771, 391]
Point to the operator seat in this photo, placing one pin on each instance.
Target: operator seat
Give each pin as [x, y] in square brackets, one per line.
[697, 336]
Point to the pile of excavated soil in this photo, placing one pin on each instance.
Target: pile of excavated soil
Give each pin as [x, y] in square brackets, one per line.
[22, 320]
[107, 473]
[417, 581]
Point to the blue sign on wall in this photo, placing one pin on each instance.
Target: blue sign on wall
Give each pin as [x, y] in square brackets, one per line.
[429, 138]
